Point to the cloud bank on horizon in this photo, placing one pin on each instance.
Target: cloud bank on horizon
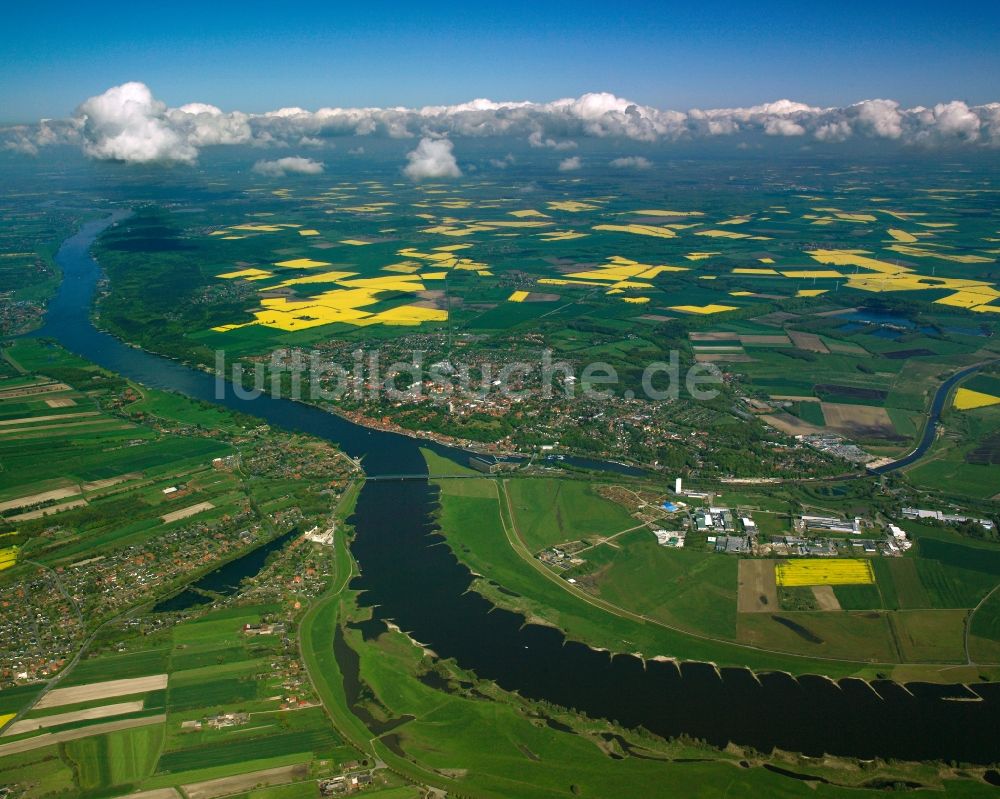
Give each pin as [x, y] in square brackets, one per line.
[127, 123]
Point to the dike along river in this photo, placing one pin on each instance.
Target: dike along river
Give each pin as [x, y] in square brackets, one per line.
[408, 577]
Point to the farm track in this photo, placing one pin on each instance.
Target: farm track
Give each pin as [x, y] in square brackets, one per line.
[50, 738]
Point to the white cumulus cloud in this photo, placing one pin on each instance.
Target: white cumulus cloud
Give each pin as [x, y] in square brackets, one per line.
[949, 122]
[631, 162]
[292, 165]
[991, 122]
[881, 118]
[782, 126]
[203, 125]
[570, 164]
[834, 131]
[536, 140]
[19, 139]
[127, 123]
[432, 158]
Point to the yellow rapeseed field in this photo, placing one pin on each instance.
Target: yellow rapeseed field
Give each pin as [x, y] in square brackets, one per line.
[561, 235]
[824, 571]
[703, 309]
[966, 399]
[302, 263]
[8, 557]
[723, 234]
[659, 231]
[409, 315]
[813, 273]
[657, 212]
[620, 269]
[527, 212]
[245, 273]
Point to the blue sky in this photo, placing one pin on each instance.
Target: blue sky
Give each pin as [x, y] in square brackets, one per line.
[257, 57]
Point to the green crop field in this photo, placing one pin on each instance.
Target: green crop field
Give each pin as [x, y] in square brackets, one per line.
[318, 743]
[955, 575]
[43, 769]
[954, 554]
[951, 586]
[211, 657]
[986, 623]
[115, 759]
[211, 693]
[859, 597]
[308, 790]
[14, 698]
[119, 667]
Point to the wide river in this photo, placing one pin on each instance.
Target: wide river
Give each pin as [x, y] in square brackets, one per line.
[409, 577]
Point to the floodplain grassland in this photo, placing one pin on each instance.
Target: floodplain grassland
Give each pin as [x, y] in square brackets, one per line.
[440, 465]
[466, 735]
[177, 408]
[552, 512]
[965, 460]
[627, 593]
[479, 531]
[691, 590]
[984, 629]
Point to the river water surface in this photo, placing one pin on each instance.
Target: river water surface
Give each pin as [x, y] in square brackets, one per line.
[409, 577]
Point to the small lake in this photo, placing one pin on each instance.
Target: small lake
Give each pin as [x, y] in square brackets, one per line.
[227, 578]
[886, 321]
